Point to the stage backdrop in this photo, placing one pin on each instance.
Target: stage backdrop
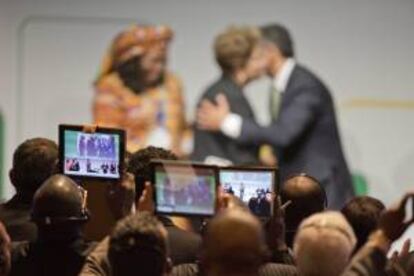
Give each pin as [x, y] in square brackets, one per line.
[50, 52]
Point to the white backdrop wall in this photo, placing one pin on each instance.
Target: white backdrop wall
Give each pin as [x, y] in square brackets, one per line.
[50, 52]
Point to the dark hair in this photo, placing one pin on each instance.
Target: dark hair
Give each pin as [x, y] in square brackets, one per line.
[305, 201]
[363, 213]
[279, 36]
[34, 161]
[133, 75]
[139, 165]
[137, 244]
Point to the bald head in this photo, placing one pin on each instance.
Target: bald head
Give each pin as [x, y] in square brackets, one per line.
[234, 244]
[307, 197]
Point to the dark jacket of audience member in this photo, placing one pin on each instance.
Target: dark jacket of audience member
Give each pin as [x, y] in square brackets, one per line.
[33, 162]
[60, 249]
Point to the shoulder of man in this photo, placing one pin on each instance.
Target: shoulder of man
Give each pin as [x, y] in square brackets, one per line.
[304, 77]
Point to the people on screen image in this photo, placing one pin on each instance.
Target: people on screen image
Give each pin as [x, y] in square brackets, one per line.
[97, 146]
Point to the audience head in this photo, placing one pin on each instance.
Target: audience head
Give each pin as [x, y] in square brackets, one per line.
[139, 165]
[139, 242]
[34, 161]
[59, 208]
[307, 197]
[139, 56]
[5, 254]
[237, 51]
[323, 244]
[234, 244]
[363, 213]
[278, 44]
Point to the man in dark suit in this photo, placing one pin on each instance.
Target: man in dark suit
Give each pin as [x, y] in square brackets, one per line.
[303, 132]
[237, 55]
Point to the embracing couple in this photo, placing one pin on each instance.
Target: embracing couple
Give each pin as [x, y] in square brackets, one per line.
[303, 132]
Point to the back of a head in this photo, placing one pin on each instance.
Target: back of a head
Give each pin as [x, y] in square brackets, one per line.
[323, 244]
[234, 46]
[233, 244]
[34, 161]
[138, 246]
[280, 37]
[59, 203]
[139, 165]
[363, 213]
[307, 197]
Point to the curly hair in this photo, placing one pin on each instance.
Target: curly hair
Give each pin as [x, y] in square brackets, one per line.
[139, 165]
[138, 243]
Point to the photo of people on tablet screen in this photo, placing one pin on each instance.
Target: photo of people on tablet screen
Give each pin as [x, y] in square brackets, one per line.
[91, 154]
[183, 190]
[252, 187]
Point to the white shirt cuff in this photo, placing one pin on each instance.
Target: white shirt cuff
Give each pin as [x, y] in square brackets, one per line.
[232, 125]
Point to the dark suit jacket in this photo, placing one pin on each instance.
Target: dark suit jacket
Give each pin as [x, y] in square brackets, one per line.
[15, 215]
[305, 136]
[43, 258]
[216, 144]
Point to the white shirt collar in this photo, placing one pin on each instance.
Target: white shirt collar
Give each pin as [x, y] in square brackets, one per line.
[282, 78]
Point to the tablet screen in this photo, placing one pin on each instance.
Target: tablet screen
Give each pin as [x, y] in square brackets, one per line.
[185, 189]
[253, 187]
[91, 154]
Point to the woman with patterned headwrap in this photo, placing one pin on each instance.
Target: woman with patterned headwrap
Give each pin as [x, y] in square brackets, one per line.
[134, 90]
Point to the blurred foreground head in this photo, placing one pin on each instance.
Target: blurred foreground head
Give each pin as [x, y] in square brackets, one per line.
[323, 244]
[234, 244]
[138, 246]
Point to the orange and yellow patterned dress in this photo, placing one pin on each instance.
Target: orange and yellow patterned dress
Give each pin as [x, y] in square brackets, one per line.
[141, 115]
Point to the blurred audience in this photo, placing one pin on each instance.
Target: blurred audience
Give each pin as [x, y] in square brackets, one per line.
[59, 211]
[184, 245]
[371, 259]
[136, 92]
[234, 244]
[34, 161]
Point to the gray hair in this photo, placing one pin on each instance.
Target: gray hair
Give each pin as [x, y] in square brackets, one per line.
[323, 244]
